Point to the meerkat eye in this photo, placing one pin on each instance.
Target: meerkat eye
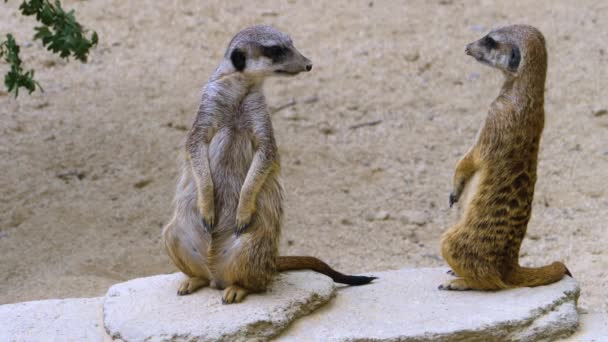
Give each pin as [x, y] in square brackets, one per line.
[489, 42]
[274, 52]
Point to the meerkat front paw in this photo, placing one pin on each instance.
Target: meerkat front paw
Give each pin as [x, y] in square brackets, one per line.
[208, 213]
[234, 294]
[243, 219]
[454, 196]
[209, 222]
[242, 223]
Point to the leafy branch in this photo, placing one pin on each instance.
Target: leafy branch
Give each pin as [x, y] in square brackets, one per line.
[16, 77]
[59, 33]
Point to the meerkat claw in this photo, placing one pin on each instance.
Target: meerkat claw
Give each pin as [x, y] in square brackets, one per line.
[241, 228]
[451, 272]
[208, 224]
[453, 199]
[190, 285]
[242, 224]
[233, 294]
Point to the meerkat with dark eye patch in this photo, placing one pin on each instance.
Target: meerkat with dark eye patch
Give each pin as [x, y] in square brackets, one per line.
[499, 171]
[229, 205]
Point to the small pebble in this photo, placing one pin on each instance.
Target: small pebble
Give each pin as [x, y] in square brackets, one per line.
[142, 184]
[378, 216]
[412, 57]
[290, 115]
[310, 99]
[346, 222]
[418, 218]
[382, 216]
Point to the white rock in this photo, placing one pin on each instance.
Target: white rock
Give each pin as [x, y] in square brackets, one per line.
[406, 305]
[149, 309]
[77, 319]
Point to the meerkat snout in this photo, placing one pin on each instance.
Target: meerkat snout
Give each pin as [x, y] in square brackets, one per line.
[467, 49]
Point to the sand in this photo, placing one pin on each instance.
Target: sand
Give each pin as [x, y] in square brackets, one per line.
[88, 168]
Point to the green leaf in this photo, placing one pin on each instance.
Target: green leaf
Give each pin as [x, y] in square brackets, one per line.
[59, 33]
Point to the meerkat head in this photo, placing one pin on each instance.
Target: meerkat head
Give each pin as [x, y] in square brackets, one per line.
[261, 51]
[510, 49]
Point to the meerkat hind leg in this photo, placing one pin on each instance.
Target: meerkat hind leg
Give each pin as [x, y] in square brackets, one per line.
[190, 285]
[465, 284]
[234, 294]
[459, 284]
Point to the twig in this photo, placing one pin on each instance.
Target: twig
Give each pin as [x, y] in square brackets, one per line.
[291, 102]
[363, 124]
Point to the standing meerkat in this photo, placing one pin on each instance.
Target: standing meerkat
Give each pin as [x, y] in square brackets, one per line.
[229, 205]
[499, 171]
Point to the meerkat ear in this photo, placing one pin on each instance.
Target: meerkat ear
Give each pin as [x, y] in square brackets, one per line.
[514, 59]
[238, 59]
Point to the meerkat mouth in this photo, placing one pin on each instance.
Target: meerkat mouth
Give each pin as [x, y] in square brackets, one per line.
[285, 72]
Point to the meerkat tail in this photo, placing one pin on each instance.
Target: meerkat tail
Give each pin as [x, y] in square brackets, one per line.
[537, 276]
[294, 263]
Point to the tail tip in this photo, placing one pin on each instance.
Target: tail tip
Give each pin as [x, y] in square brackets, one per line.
[359, 280]
[567, 272]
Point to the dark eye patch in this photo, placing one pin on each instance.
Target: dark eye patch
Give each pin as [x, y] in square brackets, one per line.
[489, 42]
[514, 59]
[274, 52]
[239, 59]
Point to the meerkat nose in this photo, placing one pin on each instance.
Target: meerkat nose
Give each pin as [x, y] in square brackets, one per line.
[308, 67]
[467, 49]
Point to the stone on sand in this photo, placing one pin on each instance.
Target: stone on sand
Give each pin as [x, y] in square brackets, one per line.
[74, 319]
[406, 305]
[149, 309]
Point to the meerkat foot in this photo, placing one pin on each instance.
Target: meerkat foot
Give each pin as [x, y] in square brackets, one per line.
[234, 294]
[452, 273]
[190, 285]
[455, 285]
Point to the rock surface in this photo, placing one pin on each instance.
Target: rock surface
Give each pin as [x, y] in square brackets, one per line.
[406, 305]
[149, 309]
[400, 305]
[76, 319]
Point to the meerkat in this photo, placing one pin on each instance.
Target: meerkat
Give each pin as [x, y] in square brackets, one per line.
[226, 225]
[499, 171]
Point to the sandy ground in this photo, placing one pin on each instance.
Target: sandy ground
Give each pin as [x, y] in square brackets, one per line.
[88, 167]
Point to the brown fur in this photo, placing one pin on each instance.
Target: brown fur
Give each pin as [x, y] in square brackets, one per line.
[499, 171]
[226, 226]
